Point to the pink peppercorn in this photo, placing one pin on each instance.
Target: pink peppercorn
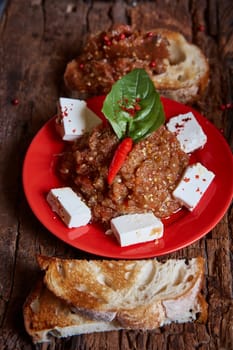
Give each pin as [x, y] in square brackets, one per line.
[201, 28]
[122, 36]
[223, 107]
[15, 102]
[152, 64]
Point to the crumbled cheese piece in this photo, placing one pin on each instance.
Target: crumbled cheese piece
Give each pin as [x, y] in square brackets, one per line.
[136, 228]
[74, 118]
[188, 132]
[195, 181]
[70, 208]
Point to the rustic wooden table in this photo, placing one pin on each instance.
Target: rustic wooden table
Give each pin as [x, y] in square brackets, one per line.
[38, 38]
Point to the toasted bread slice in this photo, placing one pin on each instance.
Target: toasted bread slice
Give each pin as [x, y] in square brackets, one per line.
[187, 73]
[140, 294]
[46, 316]
[178, 68]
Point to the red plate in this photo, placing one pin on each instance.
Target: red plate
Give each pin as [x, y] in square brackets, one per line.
[181, 229]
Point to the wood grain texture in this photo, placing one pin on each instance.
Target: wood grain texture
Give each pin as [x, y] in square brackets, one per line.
[37, 39]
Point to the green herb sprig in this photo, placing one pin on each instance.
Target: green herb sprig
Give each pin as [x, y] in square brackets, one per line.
[133, 106]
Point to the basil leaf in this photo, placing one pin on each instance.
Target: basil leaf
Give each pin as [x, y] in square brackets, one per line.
[133, 106]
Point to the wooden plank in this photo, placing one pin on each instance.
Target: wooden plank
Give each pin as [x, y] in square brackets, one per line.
[38, 38]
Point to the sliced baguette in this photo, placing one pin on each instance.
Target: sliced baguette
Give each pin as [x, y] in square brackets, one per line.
[180, 70]
[140, 294]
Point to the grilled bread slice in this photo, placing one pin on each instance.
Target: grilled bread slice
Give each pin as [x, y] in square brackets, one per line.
[46, 316]
[178, 68]
[187, 73]
[137, 294]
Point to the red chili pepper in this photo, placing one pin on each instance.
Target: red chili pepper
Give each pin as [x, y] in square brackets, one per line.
[119, 157]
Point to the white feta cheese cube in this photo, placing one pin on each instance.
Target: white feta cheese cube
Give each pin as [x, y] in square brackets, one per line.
[70, 208]
[74, 118]
[136, 228]
[188, 131]
[195, 181]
